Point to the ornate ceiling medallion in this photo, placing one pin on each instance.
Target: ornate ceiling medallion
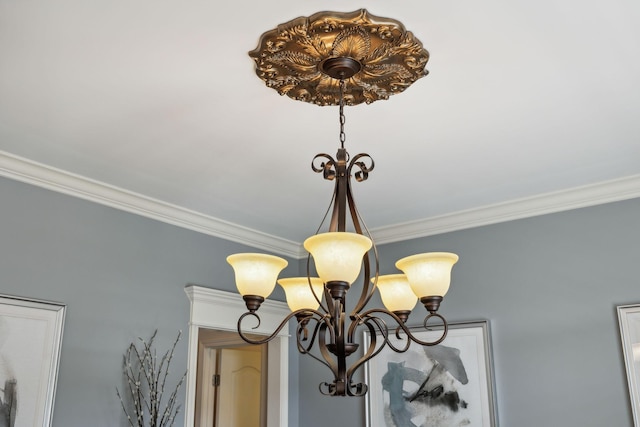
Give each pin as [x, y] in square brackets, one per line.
[307, 57]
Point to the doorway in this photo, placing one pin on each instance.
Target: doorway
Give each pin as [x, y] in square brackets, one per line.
[231, 381]
[220, 310]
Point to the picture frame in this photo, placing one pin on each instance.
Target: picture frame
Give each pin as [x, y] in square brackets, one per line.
[443, 385]
[30, 343]
[629, 322]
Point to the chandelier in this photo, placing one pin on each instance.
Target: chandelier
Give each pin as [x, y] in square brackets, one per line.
[343, 59]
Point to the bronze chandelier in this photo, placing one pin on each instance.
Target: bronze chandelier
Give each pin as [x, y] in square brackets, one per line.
[343, 59]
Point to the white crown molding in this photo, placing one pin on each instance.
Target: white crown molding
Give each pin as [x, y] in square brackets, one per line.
[28, 171]
[38, 174]
[574, 198]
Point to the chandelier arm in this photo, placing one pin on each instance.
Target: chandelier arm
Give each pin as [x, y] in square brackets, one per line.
[342, 383]
[324, 351]
[363, 319]
[307, 350]
[406, 342]
[382, 328]
[339, 214]
[336, 223]
[387, 341]
[277, 330]
[445, 327]
[302, 334]
[360, 389]
[371, 350]
[335, 353]
[368, 289]
[402, 326]
[338, 323]
[333, 196]
[329, 172]
[328, 169]
[318, 299]
[318, 321]
[313, 356]
[330, 302]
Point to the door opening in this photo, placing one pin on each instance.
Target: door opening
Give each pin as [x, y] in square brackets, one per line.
[231, 381]
[219, 310]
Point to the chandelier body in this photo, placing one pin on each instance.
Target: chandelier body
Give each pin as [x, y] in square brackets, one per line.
[325, 330]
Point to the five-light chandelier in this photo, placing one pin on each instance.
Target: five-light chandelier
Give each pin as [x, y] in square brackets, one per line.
[343, 59]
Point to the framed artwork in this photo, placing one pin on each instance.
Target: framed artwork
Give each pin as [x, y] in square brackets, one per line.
[629, 320]
[450, 384]
[30, 341]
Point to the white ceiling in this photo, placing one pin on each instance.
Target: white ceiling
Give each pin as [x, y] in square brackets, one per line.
[158, 98]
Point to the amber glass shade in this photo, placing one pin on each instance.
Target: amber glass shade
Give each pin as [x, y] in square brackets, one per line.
[429, 274]
[256, 274]
[338, 255]
[299, 293]
[396, 292]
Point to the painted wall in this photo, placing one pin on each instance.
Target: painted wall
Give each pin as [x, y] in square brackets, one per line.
[121, 276]
[549, 287]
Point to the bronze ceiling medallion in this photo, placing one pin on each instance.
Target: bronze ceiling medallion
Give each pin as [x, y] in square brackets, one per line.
[307, 57]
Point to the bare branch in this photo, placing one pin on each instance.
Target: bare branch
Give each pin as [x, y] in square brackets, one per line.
[146, 380]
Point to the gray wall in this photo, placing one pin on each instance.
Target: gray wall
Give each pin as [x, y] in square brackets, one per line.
[121, 276]
[549, 287]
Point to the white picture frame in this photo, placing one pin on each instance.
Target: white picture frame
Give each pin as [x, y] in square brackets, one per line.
[414, 389]
[30, 342]
[629, 322]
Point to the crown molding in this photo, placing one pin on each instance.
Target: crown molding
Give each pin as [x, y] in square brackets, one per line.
[38, 174]
[547, 203]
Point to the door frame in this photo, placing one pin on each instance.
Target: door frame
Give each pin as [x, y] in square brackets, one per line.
[205, 402]
[215, 309]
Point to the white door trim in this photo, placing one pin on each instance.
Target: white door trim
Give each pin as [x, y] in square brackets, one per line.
[214, 309]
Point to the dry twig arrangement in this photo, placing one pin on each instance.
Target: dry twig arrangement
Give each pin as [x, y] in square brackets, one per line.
[146, 380]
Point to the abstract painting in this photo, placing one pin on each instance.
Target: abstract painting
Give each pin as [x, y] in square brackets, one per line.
[629, 321]
[447, 385]
[30, 340]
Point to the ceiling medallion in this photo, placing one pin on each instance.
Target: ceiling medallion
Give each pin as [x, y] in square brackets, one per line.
[305, 58]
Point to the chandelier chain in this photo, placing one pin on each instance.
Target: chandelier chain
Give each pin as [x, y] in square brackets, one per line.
[342, 118]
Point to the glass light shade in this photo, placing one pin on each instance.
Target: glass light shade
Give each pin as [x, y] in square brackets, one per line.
[256, 274]
[429, 274]
[396, 292]
[299, 294]
[338, 255]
